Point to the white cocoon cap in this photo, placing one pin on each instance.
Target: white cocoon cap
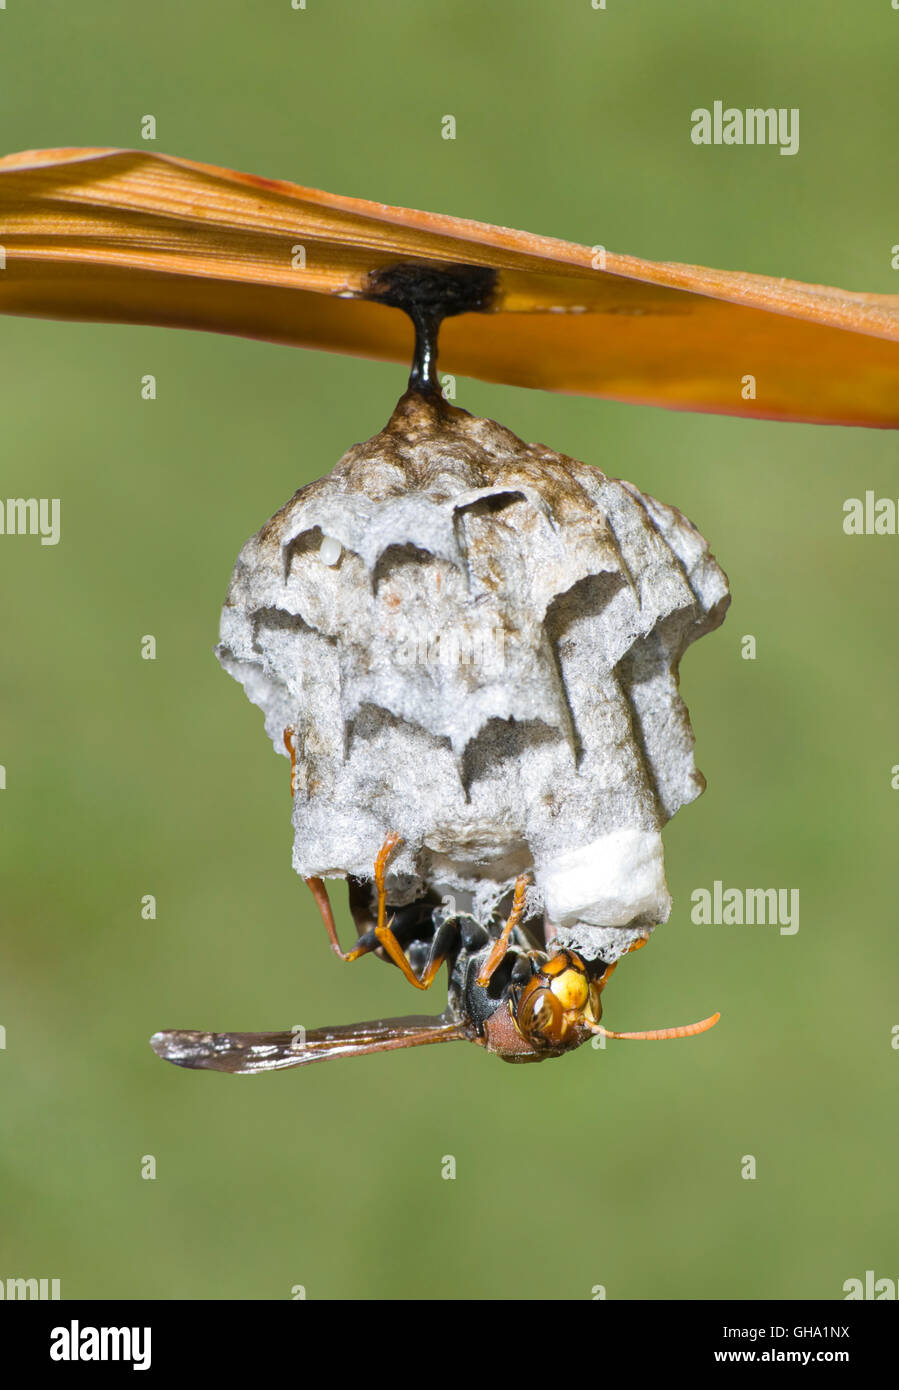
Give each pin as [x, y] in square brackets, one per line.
[607, 883]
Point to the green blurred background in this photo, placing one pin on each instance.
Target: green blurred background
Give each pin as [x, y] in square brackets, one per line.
[126, 777]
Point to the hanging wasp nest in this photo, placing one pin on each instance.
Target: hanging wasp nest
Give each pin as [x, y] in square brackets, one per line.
[476, 641]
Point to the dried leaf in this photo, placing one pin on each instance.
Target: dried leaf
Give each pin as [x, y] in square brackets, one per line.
[127, 236]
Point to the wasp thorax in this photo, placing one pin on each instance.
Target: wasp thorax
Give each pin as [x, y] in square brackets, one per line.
[558, 1003]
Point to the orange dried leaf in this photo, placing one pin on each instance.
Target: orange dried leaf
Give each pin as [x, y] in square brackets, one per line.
[130, 237]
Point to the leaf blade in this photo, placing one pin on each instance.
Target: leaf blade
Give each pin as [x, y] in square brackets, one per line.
[131, 237]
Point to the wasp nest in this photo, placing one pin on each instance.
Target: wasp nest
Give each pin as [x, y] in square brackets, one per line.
[476, 641]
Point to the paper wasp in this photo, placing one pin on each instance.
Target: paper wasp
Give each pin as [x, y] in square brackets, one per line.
[504, 993]
[508, 989]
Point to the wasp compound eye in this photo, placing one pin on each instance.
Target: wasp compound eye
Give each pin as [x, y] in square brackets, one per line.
[540, 1016]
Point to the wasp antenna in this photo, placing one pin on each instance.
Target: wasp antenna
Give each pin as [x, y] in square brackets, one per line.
[686, 1030]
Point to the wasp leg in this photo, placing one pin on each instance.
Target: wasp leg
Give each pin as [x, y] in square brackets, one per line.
[317, 886]
[634, 946]
[290, 743]
[382, 934]
[365, 943]
[501, 945]
[398, 956]
[383, 931]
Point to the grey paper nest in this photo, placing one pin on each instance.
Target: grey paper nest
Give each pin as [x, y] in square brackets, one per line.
[477, 642]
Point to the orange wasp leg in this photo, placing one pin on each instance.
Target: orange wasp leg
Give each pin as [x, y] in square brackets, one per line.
[401, 960]
[501, 944]
[319, 892]
[317, 886]
[383, 931]
[383, 934]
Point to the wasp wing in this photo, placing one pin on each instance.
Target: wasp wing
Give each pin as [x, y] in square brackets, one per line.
[247, 1053]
